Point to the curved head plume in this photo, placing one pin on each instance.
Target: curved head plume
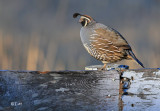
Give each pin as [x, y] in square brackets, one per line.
[75, 15]
[84, 19]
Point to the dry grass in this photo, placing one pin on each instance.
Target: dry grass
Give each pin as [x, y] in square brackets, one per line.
[44, 36]
[15, 55]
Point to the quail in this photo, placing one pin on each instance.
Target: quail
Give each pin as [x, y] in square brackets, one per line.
[104, 43]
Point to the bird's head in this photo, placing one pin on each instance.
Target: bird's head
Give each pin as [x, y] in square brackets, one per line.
[84, 19]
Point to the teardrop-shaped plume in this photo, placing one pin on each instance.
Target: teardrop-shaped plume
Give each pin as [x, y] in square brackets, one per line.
[75, 15]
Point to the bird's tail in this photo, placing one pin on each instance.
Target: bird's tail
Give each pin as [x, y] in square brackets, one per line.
[135, 58]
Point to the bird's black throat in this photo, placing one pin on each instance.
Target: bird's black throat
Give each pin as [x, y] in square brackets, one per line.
[83, 22]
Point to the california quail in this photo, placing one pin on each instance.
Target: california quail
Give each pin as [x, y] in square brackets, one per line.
[104, 43]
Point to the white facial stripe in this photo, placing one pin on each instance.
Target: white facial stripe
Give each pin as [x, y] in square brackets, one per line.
[85, 23]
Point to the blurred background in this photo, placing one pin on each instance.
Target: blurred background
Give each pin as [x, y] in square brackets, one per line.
[42, 35]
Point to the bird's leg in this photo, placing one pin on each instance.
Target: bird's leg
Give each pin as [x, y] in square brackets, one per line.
[104, 67]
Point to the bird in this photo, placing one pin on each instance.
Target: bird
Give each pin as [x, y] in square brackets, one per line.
[103, 42]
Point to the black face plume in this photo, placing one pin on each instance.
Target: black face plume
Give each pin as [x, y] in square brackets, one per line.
[75, 15]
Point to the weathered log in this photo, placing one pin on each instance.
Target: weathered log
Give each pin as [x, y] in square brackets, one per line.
[79, 90]
[66, 90]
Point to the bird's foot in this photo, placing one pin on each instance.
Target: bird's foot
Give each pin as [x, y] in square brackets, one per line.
[103, 68]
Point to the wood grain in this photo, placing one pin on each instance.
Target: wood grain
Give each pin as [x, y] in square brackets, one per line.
[80, 90]
[62, 90]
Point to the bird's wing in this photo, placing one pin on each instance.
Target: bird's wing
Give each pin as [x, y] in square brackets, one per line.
[109, 44]
[113, 36]
[116, 43]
